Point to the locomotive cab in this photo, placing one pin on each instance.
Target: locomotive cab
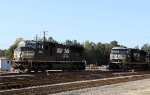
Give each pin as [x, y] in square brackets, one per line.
[127, 58]
[22, 54]
[24, 51]
[118, 57]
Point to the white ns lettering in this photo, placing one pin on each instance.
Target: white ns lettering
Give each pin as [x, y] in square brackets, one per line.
[66, 51]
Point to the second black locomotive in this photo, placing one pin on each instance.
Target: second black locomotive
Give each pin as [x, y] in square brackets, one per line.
[122, 58]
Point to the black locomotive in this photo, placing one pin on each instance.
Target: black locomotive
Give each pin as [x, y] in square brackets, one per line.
[122, 58]
[42, 56]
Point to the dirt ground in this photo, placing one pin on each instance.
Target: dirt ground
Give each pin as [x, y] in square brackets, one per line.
[138, 87]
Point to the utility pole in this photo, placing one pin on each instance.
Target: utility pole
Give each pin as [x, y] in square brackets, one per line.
[36, 41]
[44, 38]
[36, 38]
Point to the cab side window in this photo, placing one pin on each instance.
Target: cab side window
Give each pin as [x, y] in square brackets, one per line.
[46, 47]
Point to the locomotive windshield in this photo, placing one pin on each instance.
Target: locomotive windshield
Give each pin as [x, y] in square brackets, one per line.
[119, 51]
[31, 45]
[23, 46]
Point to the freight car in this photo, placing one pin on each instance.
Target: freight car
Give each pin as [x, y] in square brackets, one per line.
[42, 56]
[122, 58]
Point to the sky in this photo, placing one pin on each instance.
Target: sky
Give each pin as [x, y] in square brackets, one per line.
[126, 21]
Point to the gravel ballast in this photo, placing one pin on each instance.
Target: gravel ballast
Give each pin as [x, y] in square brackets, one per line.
[140, 87]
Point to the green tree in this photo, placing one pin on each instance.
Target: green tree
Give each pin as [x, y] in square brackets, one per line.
[2, 53]
[73, 42]
[98, 53]
[50, 39]
[137, 47]
[10, 51]
[68, 42]
[146, 47]
[114, 43]
[90, 50]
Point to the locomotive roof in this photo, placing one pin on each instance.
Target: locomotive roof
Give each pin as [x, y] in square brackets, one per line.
[77, 46]
[127, 48]
[119, 48]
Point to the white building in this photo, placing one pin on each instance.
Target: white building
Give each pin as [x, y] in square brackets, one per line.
[5, 64]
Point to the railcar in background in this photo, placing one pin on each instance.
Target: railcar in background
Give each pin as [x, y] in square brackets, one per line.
[122, 58]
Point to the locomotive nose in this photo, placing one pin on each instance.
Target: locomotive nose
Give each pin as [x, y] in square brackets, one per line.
[18, 55]
[116, 57]
[21, 54]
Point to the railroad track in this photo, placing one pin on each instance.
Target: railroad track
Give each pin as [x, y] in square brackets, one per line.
[58, 82]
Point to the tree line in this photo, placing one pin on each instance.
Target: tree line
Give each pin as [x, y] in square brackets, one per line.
[95, 53]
